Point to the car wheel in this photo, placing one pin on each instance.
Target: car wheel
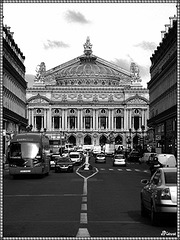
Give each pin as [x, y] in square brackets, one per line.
[154, 216]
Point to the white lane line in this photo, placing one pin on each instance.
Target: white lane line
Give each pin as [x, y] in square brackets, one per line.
[83, 232]
[110, 169]
[127, 169]
[84, 199]
[83, 218]
[85, 187]
[102, 169]
[119, 169]
[83, 207]
[137, 170]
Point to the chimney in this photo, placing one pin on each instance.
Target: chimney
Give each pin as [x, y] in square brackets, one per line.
[172, 19]
[162, 34]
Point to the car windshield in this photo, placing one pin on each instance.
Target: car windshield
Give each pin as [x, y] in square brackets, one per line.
[119, 156]
[170, 177]
[63, 160]
[24, 150]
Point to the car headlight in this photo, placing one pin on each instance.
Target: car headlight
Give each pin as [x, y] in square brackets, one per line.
[165, 194]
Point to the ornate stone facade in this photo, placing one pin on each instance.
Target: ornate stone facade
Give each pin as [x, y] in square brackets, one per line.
[163, 92]
[88, 98]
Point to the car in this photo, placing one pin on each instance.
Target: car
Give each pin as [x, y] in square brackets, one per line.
[159, 195]
[100, 158]
[119, 159]
[76, 157]
[134, 156]
[53, 159]
[64, 164]
[146, 157]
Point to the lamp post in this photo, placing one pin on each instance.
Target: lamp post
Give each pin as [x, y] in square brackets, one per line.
[143, 128]
[130, 137]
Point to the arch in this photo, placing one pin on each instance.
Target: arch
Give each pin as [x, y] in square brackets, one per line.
[136, 141]
[119, 140]
[87, 140]
[38, 97]
[102, 140]
[72, 140]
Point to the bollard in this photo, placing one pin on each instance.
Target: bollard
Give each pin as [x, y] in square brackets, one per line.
[87, 162]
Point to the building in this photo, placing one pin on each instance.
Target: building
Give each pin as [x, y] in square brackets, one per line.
[14, 88]
[163, 92]
[88, 100]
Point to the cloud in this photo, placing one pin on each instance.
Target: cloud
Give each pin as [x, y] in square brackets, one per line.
[123, 63]
[149, 46]
[55, 44]
[76, 17]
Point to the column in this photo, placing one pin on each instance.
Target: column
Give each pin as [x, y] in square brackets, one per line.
[112, 119]
[125, 120]
[45, 120]
[94, 120]
[62, 120]
[109, 120]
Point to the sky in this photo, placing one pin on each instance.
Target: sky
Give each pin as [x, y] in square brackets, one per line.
[120, 33]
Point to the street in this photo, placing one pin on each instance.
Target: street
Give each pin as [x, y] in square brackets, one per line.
[104, 204]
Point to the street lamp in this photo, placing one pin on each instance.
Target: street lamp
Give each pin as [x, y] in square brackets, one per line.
[130, 137]
[143, 128]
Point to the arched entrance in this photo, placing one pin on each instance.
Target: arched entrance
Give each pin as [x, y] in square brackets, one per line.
[72, 140]
[102, 140]
[136, 141]
[119, 140]
[87, 140]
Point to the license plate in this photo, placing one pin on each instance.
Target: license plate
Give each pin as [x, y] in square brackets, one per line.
[25, 171]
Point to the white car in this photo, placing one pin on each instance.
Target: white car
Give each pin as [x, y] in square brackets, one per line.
[159, 195]
[100, 158]
[119, 160]
[76, 157]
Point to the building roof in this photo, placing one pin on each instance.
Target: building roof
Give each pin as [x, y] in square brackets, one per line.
[89, 70]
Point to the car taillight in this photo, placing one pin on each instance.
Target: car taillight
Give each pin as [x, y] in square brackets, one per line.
[165, 194]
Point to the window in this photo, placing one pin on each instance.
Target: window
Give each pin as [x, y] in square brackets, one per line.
[72, 122]
[87, 122]
[103, 122]
[56, 122]
[118, 122]
[136, 122]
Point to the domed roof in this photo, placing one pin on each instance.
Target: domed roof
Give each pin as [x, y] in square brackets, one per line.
[89, 69]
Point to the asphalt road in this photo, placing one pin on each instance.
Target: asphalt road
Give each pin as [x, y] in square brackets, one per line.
[104, 202]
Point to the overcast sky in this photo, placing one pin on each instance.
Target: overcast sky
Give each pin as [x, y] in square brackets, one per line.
[121, 33]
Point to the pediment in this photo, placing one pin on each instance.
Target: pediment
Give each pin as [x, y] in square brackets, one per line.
[38, 99]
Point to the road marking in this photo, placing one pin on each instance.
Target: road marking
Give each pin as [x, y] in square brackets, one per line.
[119, 169]
[110, 169]
[84, 199]
[44, 195]
[83, 218]
[137, 170]
[83, 232]
[127, 169]
[83, 207]
[102, 169]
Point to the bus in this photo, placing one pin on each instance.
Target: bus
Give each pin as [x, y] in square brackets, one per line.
[29, 153]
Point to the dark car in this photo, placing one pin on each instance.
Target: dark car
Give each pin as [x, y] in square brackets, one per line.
[134, 156]
[64, 164]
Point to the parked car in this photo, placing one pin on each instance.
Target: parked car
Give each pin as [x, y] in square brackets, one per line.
[119, 159]
[134, 156]
[64, 164]
[76, 157]
[159, 195]
[100, 158]
[146, 156]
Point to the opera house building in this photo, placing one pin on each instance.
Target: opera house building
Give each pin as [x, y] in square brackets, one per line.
[88, 99]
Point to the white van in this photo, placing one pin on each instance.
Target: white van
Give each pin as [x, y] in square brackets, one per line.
[167, 160]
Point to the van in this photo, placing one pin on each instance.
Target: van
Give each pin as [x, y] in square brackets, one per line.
[96, 150]
[167, 160]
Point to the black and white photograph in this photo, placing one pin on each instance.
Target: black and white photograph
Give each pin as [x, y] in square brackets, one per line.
[89, 119]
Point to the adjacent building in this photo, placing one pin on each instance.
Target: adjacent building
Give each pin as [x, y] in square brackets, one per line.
[89, 100]
[14, 88]
[163, 92]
